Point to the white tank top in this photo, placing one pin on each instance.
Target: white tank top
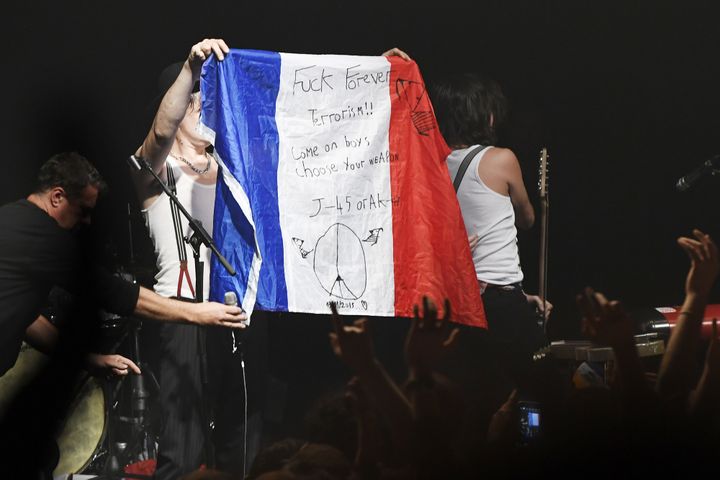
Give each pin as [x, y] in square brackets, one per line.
[490, 215]
[199, 201]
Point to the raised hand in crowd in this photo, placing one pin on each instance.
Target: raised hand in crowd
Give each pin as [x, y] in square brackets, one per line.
[502, 429]
[704, 263]
[606, 322]
[704, 399]
[368, 452]
[353, 345]
[429, 338]
[437, 403]
[675, 373]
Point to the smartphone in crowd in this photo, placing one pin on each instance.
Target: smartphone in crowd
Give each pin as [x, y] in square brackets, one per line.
[530, 421]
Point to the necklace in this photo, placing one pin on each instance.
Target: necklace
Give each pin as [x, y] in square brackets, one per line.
[193, 167]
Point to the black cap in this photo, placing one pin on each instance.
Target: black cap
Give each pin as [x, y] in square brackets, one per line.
[169, 75]
[165, 80]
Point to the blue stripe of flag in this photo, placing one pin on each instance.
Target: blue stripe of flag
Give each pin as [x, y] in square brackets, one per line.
[239, 96]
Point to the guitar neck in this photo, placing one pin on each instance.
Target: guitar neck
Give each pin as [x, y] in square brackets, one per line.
[544, 208]
[542, 283]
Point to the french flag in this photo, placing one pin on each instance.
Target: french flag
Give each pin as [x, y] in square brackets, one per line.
[333, 188]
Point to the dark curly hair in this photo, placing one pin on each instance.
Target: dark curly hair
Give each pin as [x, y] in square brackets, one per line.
[72, 172]
[463, 106]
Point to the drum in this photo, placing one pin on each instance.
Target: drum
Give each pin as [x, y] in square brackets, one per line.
[84, 429]
[29, 364]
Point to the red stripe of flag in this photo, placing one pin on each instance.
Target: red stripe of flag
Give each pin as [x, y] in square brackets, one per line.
[431, 252]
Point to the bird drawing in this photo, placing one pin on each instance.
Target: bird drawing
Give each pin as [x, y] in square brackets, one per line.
[372, 239]
[299, 243]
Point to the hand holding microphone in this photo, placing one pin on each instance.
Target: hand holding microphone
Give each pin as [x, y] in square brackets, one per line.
[231, 300]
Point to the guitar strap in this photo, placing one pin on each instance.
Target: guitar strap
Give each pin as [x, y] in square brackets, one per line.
[464, 166]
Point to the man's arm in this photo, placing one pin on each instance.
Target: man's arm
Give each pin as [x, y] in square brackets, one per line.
[524, 212]
[42, 335]
[677, 363]
[704, 398]
[172, 110]
[151, 305]
[500, 170]
[124, 298]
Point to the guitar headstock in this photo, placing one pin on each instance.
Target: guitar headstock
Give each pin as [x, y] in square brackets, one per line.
[543, 173]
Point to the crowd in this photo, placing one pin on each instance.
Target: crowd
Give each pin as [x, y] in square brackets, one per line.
[638, 421]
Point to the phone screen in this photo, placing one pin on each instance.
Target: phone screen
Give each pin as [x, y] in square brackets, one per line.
[530, 421]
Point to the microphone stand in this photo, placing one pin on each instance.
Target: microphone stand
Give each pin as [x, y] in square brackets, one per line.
[199, 237]
[143, 441]
[711, 165]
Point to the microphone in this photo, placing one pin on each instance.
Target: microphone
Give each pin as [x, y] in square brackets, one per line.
[692, 178]
[134, 162]
[231, 299]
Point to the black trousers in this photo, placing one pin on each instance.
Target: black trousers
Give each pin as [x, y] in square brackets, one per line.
[513, 334]
[181, 397]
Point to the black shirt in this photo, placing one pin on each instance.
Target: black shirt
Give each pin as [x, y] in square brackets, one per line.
[36, 254]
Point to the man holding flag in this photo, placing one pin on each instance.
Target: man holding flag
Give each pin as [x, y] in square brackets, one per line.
[179, 154]
[178, 151]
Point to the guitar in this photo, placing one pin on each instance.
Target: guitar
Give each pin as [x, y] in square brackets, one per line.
[543, 181]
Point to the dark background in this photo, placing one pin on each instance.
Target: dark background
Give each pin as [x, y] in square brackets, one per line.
[624, 94]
